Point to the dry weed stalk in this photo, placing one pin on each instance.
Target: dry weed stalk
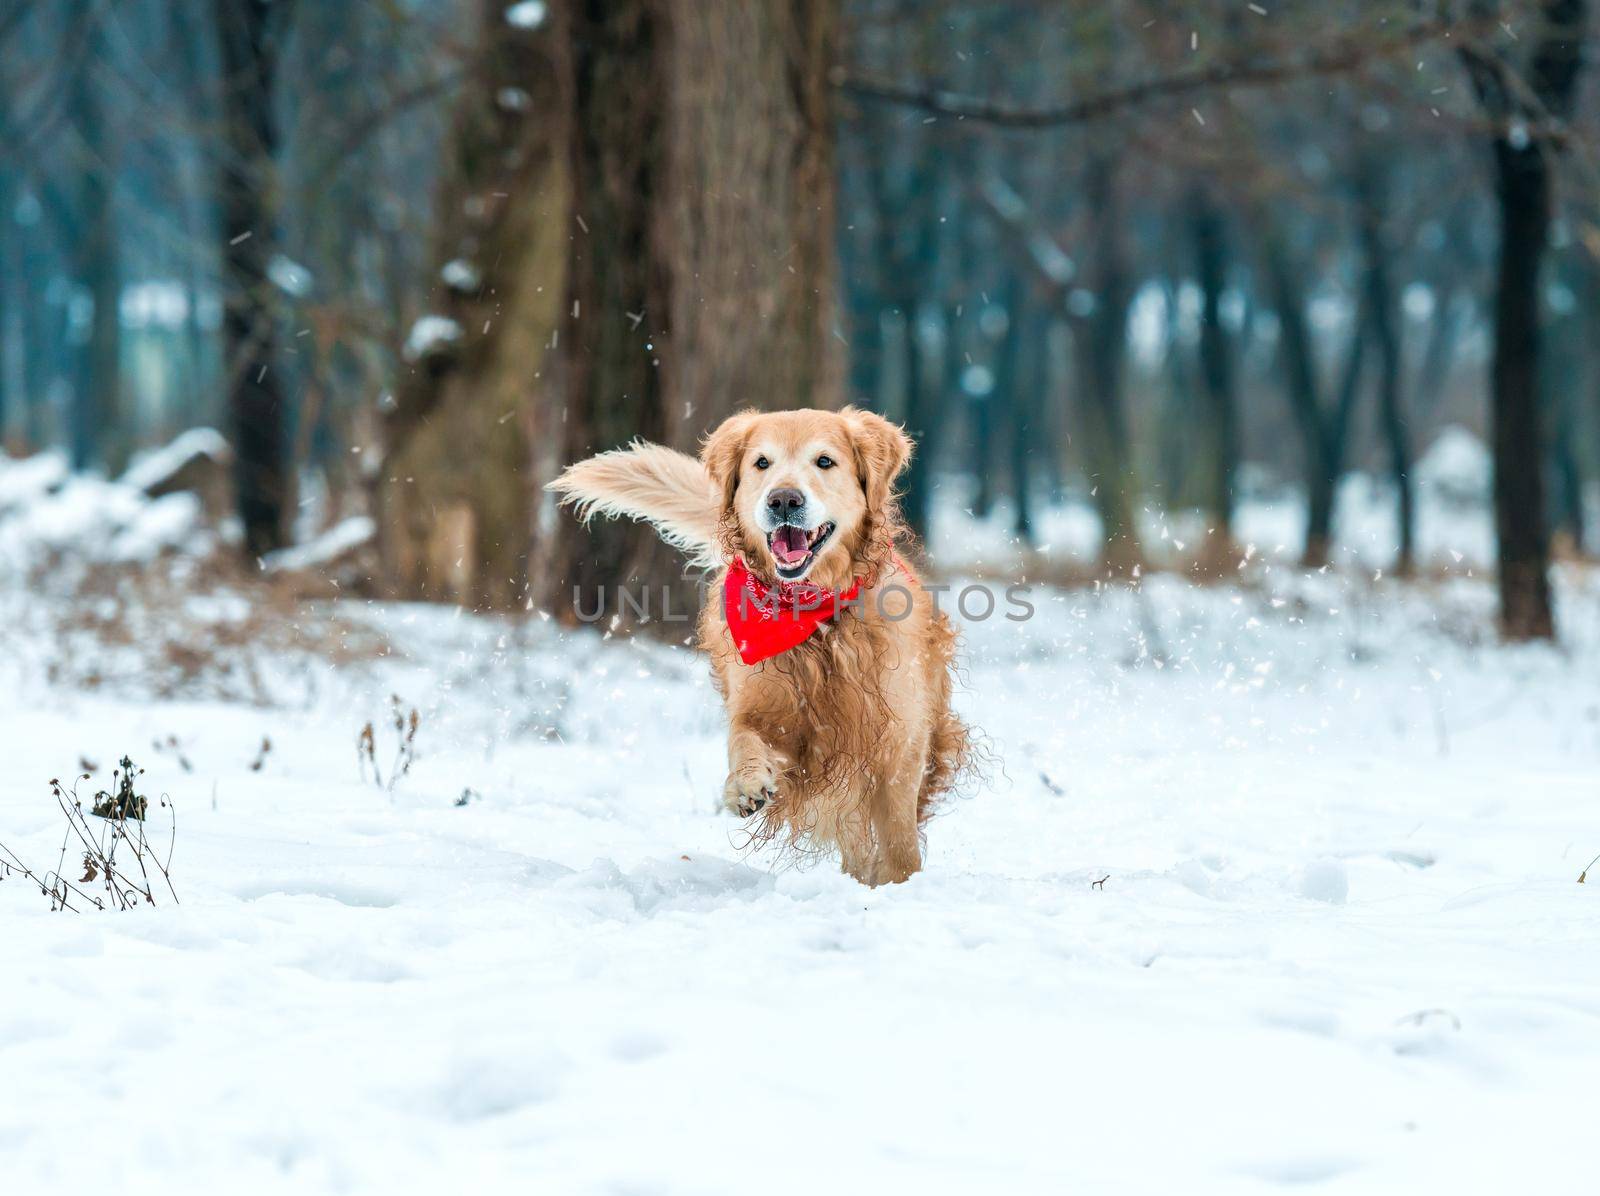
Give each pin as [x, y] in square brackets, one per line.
[105, 848]
[405, 730]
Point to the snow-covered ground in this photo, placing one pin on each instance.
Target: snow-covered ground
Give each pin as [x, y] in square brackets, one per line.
[1269, 885]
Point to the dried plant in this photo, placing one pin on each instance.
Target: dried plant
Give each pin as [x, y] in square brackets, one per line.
[115, 854]
[126, 804]
[261, 755]
[405, 726]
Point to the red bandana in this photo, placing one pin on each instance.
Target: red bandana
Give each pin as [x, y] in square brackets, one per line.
[766, 620]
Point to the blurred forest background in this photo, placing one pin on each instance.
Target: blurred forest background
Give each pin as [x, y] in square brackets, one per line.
[411, 256]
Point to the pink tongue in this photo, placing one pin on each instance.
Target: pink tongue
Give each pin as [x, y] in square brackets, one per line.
[789, 545]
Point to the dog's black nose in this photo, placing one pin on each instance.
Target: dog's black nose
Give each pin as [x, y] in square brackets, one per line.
[785, 501]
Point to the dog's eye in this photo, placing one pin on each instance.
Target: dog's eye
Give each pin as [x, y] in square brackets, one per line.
[762, 463]
[825, 462]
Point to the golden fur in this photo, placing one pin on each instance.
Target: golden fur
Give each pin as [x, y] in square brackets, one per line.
[846, 740]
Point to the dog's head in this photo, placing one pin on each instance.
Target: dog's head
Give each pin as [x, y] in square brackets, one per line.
[807, 494]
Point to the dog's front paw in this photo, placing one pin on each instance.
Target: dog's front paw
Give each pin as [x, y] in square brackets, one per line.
[752, 784]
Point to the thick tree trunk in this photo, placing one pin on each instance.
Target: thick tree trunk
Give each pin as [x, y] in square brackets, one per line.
[700, 272]
[250, 35]
[456, 491]
[615, 329]
[1519, 500]
[1522, 157]
[749, 212]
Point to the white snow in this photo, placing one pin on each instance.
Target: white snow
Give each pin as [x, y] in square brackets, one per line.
[430, 334]
[24, 481]
[526, 14]
[461, 275]
[290, 276]
[151, 468]
[1457, 467]
[343, 537]
[90, 520]
[513, 99]
[1338, 939]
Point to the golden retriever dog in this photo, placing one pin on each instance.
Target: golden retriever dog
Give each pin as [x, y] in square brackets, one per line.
[840, 729]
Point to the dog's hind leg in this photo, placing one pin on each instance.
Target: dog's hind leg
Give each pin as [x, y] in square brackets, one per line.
[894, 816]
[857, 857]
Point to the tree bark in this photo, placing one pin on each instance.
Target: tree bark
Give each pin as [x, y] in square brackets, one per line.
[455, 493]
[1523, 189]
[700, 271]
[1519, 500]
[250, 35]
[1522, 160]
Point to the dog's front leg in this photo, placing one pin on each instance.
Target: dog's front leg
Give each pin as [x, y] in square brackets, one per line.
[755, 769]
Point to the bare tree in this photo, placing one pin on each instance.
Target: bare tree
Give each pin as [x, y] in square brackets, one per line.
[1522, 107]
[455, 490]
[1217, 373]
[97, 403]
[250, 36]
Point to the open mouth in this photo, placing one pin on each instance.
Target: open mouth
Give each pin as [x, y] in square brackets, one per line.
[794, 548]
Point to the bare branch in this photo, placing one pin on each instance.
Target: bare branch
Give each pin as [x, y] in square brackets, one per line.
[1341, 55]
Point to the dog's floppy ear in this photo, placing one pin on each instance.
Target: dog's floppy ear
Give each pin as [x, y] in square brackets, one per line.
[722, 451]
[882, 451]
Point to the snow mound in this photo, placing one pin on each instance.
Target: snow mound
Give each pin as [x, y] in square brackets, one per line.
[332, 547]
[28, 479]
[155, 469]
[94, 521]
